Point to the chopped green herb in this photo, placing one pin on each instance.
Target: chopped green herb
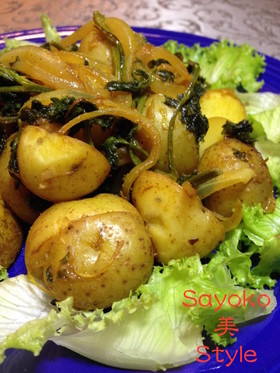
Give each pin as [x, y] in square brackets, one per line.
[240, 131]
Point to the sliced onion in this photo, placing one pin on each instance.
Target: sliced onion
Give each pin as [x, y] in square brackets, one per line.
[144, 125]
[77, 35]
[225, 180]
[232, 221]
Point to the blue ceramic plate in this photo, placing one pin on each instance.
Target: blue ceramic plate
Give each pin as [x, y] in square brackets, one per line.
[263, 336]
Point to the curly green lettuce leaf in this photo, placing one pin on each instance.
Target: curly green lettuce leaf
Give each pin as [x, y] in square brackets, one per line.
[167, 331]
[263, 110]
[142, 333]
[259, 101]
[144, 340]
[214, 283]
[259, 226]
[271, 153]
[232, 254]
[51, 34]
[224, 64]
[266, 123]
[153, 330]
[12, 43]
[263, 230]
[252, 251]
[20, 302]
[3, 273]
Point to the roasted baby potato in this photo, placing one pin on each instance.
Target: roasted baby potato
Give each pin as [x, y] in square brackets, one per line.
[231, 154]
[98, 134]
[214, 133]
[178, 223]
[222, 103]
[20, 200]
[57, 167]
[11, 236]
[96, 250]
[185, 149]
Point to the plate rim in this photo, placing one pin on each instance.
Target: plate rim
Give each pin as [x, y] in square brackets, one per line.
[152, 32]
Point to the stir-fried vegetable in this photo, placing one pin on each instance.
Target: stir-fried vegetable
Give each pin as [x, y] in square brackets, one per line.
[141, 174]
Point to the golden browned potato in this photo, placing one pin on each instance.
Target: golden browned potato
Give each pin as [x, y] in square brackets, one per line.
[11, 236]
[19, 199]
[229, 155]
[178, 223]
[96, 250]
[213, 134]
[185, 148]
[222, 103]
[57, 167]
[98, 134]
[45, 99]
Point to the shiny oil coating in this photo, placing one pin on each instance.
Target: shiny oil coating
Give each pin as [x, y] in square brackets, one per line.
[96, 250]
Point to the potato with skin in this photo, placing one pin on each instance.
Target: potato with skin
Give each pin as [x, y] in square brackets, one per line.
[11, 236]
[213, 134]
[98, 134]
[57, 167]
[222, 103]
[19, 199]
[232, 154]
[96, 250]
[178, 223]
[185, 149]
